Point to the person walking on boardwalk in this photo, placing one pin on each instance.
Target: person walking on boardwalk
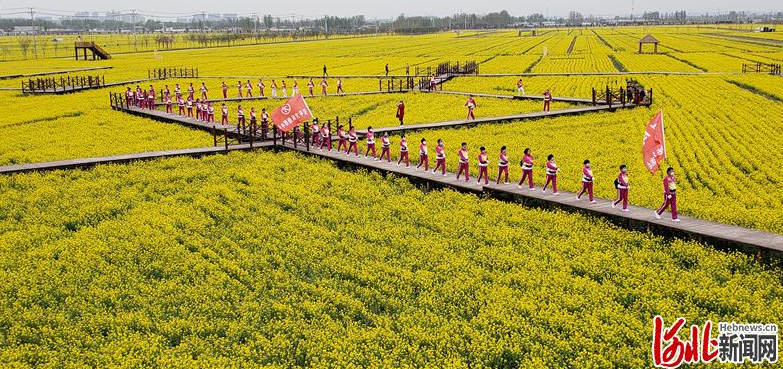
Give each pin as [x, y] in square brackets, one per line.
[385, 147]
[210, 113]
[352, 139]
[325, 74]
[190, 107]
[621, 183]
[370, 137]
[128, 96]
[166, 91]
[239, 89]
[407, 69]
[204, 90]
[261, 87]
[274, 88]
[223, 114]
[404, 152]
[502, 165]
[440, 158]
[387, 69]
[191, 91]
[471, 104]
[342, 143]
[284, 88]
[547, 100]
[240, 115]
[433, 83]
[463, 162]
[483, 163]
[669, 195]
[551, 174]
[315, 134]
[197, 106]
[310, 86]
[177, 91]
[181, 106]
[326, 139]
[587, 181]
[424, 157]
[169, 109]
[264, 123]
[151, 99]
[253, 117]
[520, 89]
[295, 88]
[224, 87]
[527, 170]
[249, 89]
[340, 86]
[401, 112]
[323, 86]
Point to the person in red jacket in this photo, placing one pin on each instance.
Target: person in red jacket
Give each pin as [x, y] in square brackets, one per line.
[385, 147]
[181, 105]
[622, 188]
[669, 195]
[352, 139]
[551, 174]
[587, 181]
[547, 100]
[527, 170]
[168, 105]
[483, 163]
[342, 143]
[370, 137]
[502, 165]
[471, 104]
[401, 111]
[424, 157]
[404, 152]
[440, 158]
[463, 162]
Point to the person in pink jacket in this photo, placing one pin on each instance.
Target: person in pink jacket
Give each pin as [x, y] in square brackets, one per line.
[503, 164]
[463, 162]
[483, 164]
[370, 136]
[404, 152]
[669, 195]
[352, 139]
[385, 148]
[622, 188]
[342, 143]
[527, 170]
[587, 181]
[551, 174]
[424, 157]
[440, 158]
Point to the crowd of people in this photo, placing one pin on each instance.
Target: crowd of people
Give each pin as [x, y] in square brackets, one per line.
[347, 142]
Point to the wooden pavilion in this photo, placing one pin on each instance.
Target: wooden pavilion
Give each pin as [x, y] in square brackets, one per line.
[649, 39]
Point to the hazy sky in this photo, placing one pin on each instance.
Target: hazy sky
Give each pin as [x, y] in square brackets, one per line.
[392, 8]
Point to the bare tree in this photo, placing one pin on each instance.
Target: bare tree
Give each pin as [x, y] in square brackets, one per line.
[24, 45]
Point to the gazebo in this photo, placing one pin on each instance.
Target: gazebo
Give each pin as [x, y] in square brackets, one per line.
[648, 40]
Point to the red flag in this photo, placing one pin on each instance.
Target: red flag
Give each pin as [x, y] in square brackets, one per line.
[654, 143]
[290, 114]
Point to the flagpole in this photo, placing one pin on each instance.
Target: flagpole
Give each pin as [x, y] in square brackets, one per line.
[663, 131]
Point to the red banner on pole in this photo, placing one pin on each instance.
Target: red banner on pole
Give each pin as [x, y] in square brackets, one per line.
[654, 143]
[290, 114]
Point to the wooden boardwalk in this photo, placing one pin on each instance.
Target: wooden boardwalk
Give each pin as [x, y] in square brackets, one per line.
[125, 158]
[638, 218]
[26, 75]
[72, 89]
[231, 129]
[572, 100]
[499, 119]
[257, 98]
